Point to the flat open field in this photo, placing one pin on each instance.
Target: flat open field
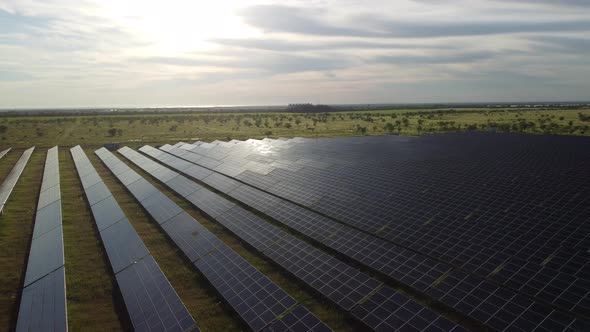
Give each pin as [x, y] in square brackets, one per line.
[135, 130]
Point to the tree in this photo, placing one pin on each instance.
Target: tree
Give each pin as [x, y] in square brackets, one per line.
[112, 132]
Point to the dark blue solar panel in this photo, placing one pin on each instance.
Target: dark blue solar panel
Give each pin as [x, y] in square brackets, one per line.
[128, 177]
[46, 255]
[123, 245]
[209, 202]
[43, 304]
[90, 180]
[49, 196]
[43, 301]
[183, 186]
[151, 302]
[473, 201]
[190, 236]
[343, 285]
[254, 297]
[221, 183]
[47, 218]
[12, 177]
[298, 319]
[141, 189]
[97, 193]
[106, 213]
[212, 257]
[160, 207]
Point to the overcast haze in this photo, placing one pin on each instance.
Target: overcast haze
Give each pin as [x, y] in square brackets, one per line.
[69, 53]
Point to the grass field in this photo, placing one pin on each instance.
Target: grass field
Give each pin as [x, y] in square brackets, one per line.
[136, 130]
[93, 301]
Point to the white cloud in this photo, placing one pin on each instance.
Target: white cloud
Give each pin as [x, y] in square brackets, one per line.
[103, 53]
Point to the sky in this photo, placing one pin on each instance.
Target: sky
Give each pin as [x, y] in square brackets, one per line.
[126, 53]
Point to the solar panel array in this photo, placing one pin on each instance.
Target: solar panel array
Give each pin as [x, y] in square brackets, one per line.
[402, 264]
[10, 181]
[507, 213]
[43, 300]
[152, 303]
[345, 286]
[257, 300]
[4, 152]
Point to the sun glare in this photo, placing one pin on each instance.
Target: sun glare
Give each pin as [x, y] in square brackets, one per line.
[180, 26]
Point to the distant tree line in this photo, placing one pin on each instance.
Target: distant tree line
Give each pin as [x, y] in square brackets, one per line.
[308, 108]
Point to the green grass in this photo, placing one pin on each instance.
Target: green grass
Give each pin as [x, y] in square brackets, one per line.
[135, 130]
[16, 228]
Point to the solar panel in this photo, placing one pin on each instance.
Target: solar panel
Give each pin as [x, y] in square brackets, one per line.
[49, 196]
[212, 257]
[160, 207]
[43, 300]
[4, 152]
[255, 198]
[183, 187]
[409, 268]
[407, 315]
[47, 218]
[220, 182]
[106, 213]
[43, 304]
[192, 238]
[151, 302]
[150, 299]
[46, 255]
[254, 297]
[123, 245]
[11, 179]
[338, 282]
[441, 201]
[97, 193]
[297, 320]
[209, 202]
[141, 189]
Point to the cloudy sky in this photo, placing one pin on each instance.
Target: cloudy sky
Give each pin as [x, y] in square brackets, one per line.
[70, 53]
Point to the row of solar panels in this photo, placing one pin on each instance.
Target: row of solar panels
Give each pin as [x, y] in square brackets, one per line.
[151, 301]
[411, 269]
[257, 300]
[509, 308]
[340, 283]
[499, 307]
[43, 300]
[12, 178]
[149, 298]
